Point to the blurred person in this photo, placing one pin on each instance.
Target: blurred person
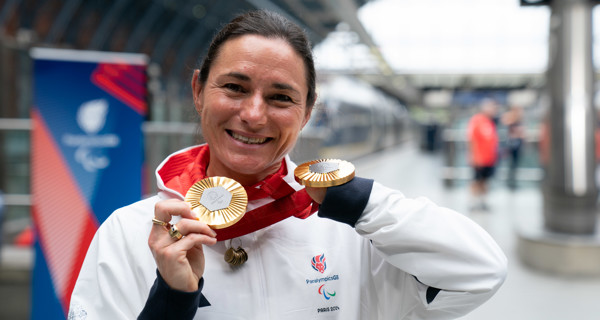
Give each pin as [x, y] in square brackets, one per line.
[597, 137]
[513, 120]
[483, 149]
[2, 220]
[544, 142]
[369, 253]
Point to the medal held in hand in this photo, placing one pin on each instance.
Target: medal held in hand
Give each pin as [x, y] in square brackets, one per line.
[218, 201]
[324, 173]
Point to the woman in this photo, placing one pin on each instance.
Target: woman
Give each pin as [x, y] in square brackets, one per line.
[391, 257]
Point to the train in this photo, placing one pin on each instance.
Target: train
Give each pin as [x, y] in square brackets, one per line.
[352, 118]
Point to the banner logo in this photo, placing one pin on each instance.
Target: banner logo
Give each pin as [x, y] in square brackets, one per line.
[91, 118]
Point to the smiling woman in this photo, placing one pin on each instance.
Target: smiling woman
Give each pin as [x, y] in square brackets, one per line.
[378, 255]
[251, 107]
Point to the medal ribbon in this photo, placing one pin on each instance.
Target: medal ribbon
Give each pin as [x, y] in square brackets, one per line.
[183, 170]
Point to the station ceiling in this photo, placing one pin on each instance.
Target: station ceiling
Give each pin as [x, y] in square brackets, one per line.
[174, 34]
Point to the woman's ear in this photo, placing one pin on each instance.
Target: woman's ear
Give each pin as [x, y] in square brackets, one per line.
[197, 91]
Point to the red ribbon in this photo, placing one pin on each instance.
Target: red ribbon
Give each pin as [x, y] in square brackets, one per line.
[181, 171]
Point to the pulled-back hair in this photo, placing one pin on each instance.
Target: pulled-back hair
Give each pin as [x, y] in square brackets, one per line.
[269, 25]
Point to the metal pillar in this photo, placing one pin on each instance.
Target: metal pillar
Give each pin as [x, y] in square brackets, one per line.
[570, 190]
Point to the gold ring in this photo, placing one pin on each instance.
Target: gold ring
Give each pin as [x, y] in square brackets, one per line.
[174, 233]
[159, 222]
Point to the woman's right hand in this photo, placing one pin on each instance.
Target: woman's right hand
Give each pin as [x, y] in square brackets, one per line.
[180, 262]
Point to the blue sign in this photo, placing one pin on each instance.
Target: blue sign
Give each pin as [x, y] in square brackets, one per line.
[87, 159]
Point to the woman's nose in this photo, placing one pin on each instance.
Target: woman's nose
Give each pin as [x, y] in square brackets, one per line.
[254, 111]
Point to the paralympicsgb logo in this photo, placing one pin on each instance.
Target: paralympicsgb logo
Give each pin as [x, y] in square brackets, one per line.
[318, 263]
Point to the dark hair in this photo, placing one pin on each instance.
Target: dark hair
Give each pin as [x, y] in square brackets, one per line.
[270, 25]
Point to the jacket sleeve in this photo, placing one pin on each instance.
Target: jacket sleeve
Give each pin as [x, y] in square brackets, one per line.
[118, 270]
[165, 303]
[454, 264]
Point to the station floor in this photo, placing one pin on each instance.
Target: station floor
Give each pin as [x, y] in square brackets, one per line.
[527, 294]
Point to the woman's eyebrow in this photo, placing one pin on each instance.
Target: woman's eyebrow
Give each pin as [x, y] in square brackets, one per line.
[238, 75]
[284, 86]
[276, 85]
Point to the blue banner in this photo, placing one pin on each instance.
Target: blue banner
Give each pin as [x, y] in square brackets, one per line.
[87, 158]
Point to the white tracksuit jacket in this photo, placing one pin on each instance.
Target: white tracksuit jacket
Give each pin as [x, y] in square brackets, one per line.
[380, 269]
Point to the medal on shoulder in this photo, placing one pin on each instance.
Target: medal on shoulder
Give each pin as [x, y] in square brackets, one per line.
[220, 202]
[324, 173]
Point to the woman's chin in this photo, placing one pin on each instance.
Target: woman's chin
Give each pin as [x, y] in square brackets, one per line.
[247, 166]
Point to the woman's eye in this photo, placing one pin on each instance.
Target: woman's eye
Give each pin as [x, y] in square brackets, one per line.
[234, 87]
[282, 97]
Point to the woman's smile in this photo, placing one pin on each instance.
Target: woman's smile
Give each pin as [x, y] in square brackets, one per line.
[246, 139]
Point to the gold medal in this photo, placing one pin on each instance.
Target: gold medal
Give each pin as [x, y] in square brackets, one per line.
[324, 173]
[218, 201]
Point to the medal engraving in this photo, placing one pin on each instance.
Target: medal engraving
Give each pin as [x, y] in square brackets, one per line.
[324, 167]
[215, 198]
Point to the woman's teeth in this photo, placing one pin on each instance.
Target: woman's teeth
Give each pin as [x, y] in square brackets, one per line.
[247, 139]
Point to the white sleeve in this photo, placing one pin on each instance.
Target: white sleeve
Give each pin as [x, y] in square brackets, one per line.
[111, 283]
[439, 247]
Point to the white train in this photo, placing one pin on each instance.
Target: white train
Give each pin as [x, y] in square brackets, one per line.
[352, 118]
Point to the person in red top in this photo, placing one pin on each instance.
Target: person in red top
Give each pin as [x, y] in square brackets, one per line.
[483, 148]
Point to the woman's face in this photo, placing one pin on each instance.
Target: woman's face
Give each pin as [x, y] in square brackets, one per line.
[252, 107]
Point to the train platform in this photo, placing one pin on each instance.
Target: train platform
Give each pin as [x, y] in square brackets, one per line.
[526, 295]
